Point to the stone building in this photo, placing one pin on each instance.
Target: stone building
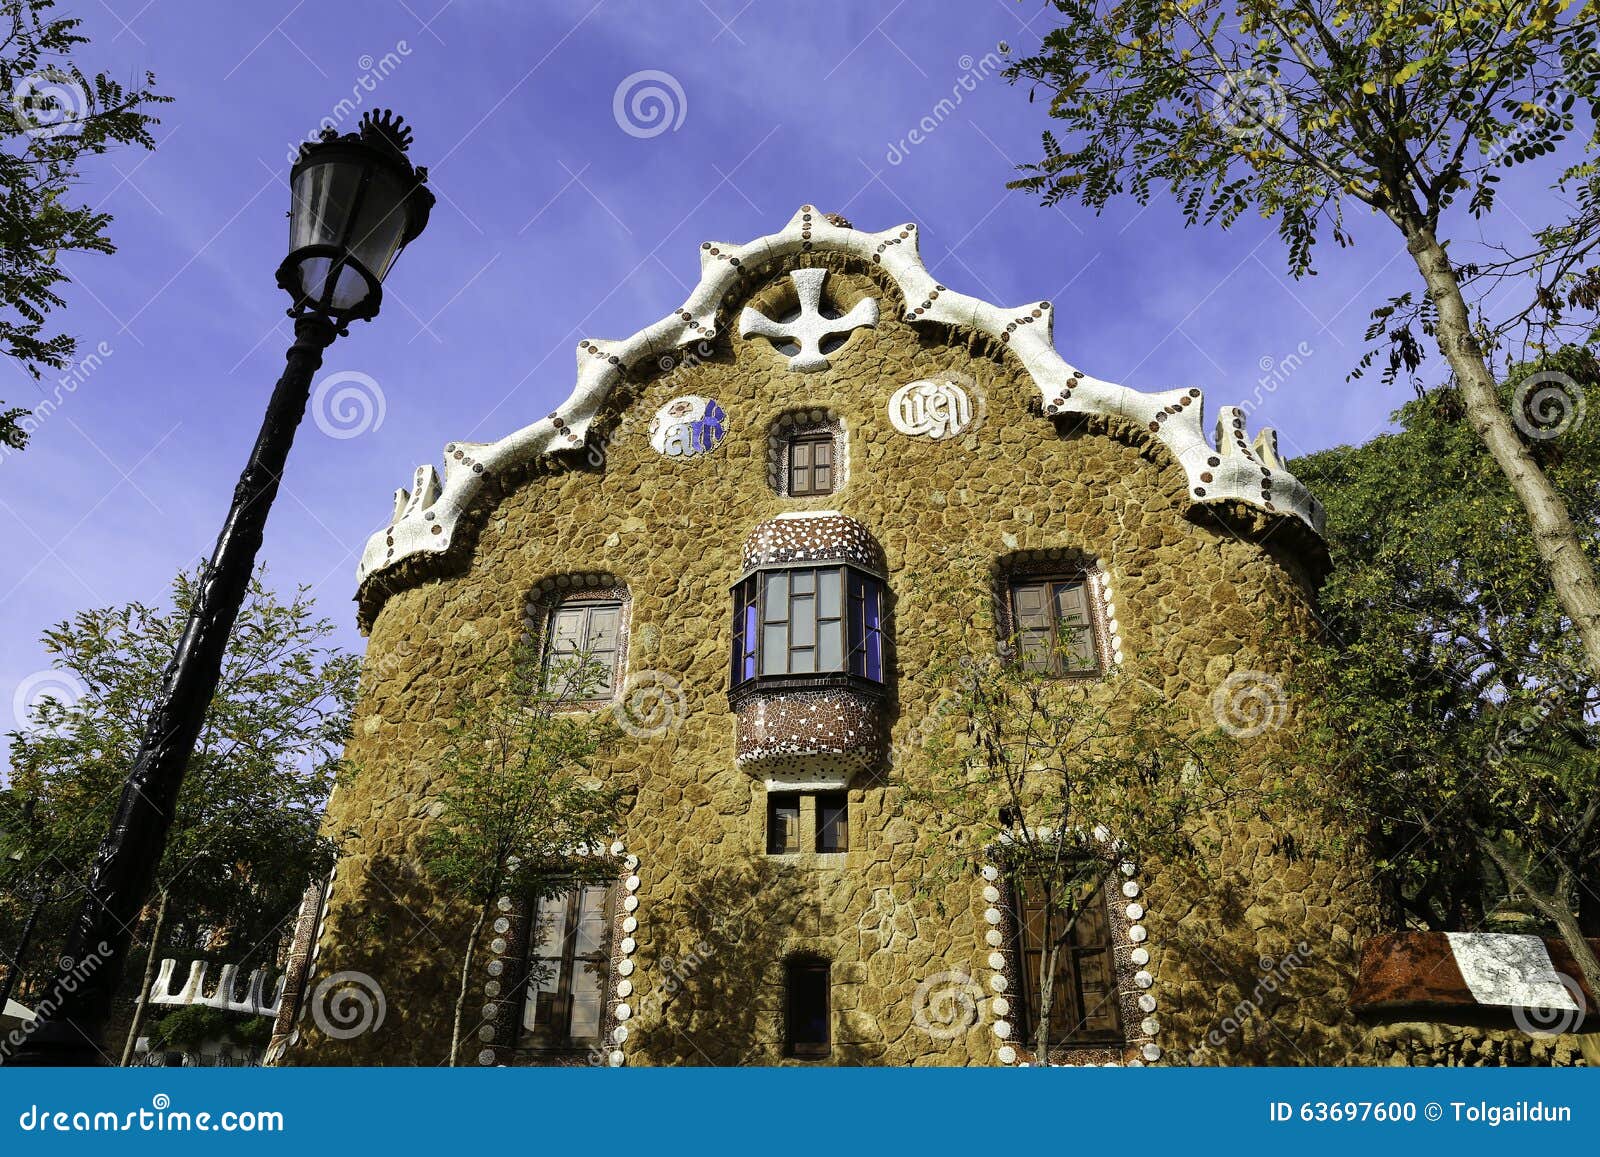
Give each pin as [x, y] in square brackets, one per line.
[738, 509]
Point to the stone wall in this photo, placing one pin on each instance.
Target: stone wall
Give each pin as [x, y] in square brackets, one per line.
[1200, 597]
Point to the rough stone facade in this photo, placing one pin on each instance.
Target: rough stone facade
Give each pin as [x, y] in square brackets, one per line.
[1204, 592]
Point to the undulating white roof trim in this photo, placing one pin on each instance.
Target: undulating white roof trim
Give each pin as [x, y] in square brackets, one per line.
[1236, 469]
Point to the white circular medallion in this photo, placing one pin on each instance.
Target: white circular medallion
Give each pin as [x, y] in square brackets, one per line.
[933, 408]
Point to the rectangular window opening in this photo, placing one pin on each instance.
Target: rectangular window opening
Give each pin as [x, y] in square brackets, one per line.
[582, 648]
[811, 464]
[1084, 997]
[783, 823]
[833, 822]
[806, 1012]
[1053, 628]
[569, 950]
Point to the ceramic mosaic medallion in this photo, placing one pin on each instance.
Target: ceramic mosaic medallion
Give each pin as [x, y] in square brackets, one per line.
[687, 426]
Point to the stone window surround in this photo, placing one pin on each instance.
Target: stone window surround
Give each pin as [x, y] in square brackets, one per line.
[1125, 903]
[504, 988]
[807, 856]
[581, 586]
[810, 420]
[1063, 563]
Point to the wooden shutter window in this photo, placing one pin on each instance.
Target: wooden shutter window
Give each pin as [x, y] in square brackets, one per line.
[833, 822]
[1053, 626]
[783, 823]
[810, 464]
[590, 630]
[569, 954]
[1084, 1001]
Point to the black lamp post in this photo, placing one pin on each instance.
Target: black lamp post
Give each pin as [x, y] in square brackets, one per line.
[356, 202]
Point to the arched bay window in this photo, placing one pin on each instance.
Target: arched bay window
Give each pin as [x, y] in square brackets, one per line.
[801, 622]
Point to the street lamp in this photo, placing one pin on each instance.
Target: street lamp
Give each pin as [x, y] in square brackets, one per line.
[356, 201]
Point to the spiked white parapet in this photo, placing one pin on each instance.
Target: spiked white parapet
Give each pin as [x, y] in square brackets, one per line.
[1235, 469]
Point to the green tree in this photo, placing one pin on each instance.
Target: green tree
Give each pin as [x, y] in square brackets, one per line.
[522, 812]
[52, 116]
[1455, 708]
[1057, 781]
[245, 842]
[1304, 111]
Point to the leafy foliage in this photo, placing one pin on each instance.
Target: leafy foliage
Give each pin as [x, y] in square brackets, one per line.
[246, 840]
[521, 812]
[1456, 711]
[52, 116]
[1059, 779]
[1291, 110]
[189, 1027]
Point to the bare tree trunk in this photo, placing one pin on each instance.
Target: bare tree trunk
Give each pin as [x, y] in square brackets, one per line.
[1553, 532]
[149, 978]
[1047, 992]
[1554, 907]
[466, 974]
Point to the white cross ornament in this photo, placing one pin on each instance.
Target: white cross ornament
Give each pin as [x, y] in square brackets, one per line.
[811, 328]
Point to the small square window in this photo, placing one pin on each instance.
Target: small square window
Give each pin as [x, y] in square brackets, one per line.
[833, 822]
[783, 823]
[811, 464]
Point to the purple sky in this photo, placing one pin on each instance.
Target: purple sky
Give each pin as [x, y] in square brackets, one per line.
[555, 224]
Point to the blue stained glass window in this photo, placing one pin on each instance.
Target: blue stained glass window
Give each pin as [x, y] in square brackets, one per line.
[815, 620]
